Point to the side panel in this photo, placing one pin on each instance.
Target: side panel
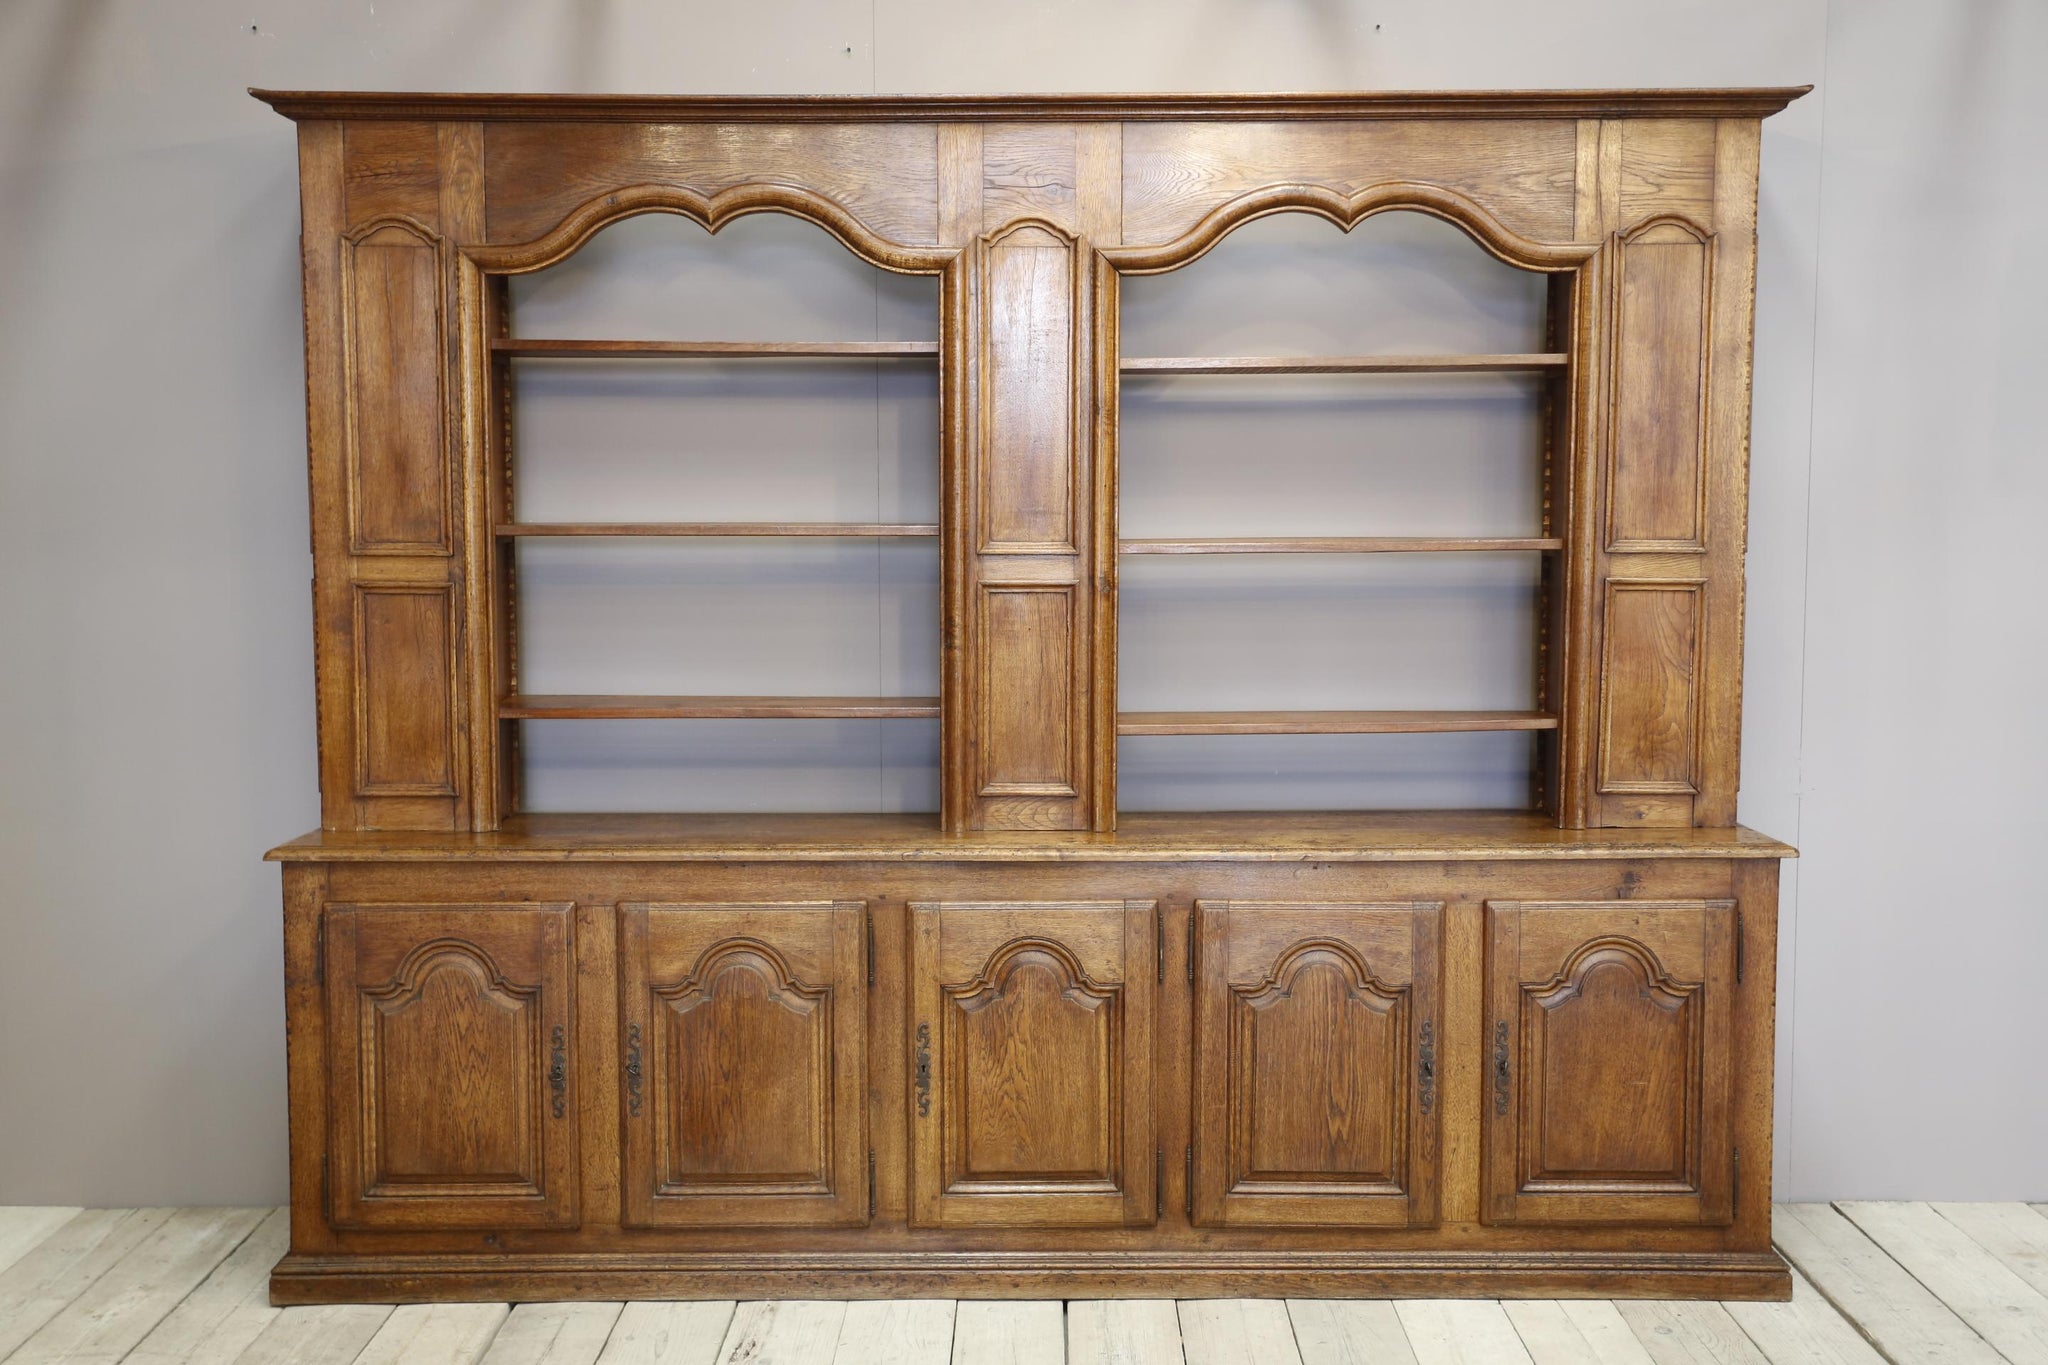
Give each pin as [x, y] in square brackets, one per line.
[743, 1034]
[1316, 1093]
[451, 1030]
[1031, 1075]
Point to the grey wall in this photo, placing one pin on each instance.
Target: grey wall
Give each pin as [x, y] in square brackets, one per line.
[155, 678]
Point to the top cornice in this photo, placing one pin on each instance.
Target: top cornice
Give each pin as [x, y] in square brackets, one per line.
[1734, 102]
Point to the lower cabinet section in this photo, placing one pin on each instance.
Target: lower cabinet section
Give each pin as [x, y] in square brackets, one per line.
[1315, 1061]
[1032, 1046]
[801, 1079]
[744, 1035]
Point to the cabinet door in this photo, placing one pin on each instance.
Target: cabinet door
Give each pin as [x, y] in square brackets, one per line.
[1611, 1061]
[743, 1049]
[450, 1031]
[1315, 1064]
[1031, 1075]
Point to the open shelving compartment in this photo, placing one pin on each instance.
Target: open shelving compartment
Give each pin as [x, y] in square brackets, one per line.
[654, 387]
[1431, 356]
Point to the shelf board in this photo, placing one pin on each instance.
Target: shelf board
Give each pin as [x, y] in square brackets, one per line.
[565, 706]
[1337, 545]
[1340, 364]
[715, 350]
[893, 530]
[1328, 722]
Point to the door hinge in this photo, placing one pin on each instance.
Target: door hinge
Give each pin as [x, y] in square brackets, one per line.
[1187, 1192]
[1158, 944]
[871, 1184]
[1191, 945]
[870, 930]
[1739, 937]
[1158, 1183]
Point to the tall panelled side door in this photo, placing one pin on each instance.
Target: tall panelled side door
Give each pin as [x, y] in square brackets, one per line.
[743, 1032]
[1031, 1064]
[1315, 1064]
[450, 1031]
[1610, 1065]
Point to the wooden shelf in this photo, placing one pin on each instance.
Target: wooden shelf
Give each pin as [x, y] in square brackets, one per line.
[715, 350]
[569, 706]
[1340, 364]
[1328, 722]
[645, 529]
[1337, 545]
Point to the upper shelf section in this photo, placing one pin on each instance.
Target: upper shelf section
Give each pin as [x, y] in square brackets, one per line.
[570, 348]
[1341, 364]
[1730, 102]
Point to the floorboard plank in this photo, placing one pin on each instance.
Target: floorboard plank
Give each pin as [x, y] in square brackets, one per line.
[23, 1227]
[1574, 1332]
[139, 1291]
[792, 1332]
[1349, 1332]
[1806, 1330]
[896, 1332]
[669, 1333]
[2013, 1233]
[1676, 1333]
[435, 1334]
[64, 1265]
[1461, 1332]
[327, 1334]
[553, 1334]
[1898, 1313]
[1123, 1332]
[1978, 1287]
[1012, 1332]
[1237, 1332]
[214, 1323]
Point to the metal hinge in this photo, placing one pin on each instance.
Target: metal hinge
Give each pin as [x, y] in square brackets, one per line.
[871, 1184]
[1191, 945]
[1739, 937]
[1158, 944]
[1187, 1193]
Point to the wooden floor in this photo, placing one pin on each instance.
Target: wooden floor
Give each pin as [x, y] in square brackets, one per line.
[1954, 1283]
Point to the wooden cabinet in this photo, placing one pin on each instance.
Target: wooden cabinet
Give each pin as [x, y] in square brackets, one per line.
[743, 1081]
[1031, 1076]
[1031, 1044]
[451, 1093]
[1610, 1030]
[1316, 1094]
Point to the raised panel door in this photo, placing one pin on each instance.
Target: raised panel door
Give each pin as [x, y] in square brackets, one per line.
[743, 1053]
[450, 1035]
[1031, 1063]
[1609, 1076]
[1315, 1063]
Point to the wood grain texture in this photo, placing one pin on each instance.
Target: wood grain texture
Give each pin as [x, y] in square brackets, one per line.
[668, 1334]
[1570, 1332]
[1900, 1315]
[23, 1227]
[1339, 364]
[1336, 545]
[435, 1334]
[1983, 1291]
[565, 707]
[2014, 1233]
[1690, 1334]
[45, 1281]
[1461, 1332]
[326, 1335]
[1326, 722]
[228, 1310]
[903, 1332]
[1029, 1332]
[1349, 1332]
[662, 529]
[570, 348]
[553, 1334]
[1123, 1332]
[1237, 1332]
[797, 1332]
[1806, 1331]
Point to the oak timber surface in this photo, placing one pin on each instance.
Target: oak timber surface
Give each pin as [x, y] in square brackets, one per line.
[1258, 836]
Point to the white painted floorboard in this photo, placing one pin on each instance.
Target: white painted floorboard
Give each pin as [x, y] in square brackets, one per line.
[1873, 1284]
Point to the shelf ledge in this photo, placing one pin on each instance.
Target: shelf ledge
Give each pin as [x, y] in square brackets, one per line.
[572, 348]
[1328, 722]
[1343, 364]
[577, 706]
[1345, 545]
[736, 529]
